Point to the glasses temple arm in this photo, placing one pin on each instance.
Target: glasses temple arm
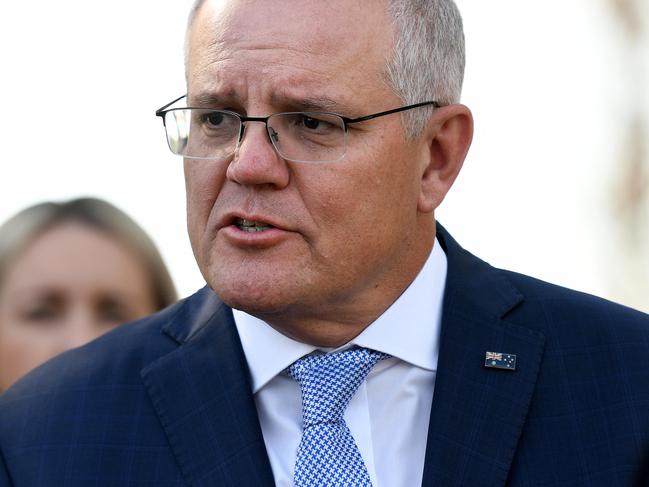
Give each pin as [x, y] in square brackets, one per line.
[159, 111]
[388, 112]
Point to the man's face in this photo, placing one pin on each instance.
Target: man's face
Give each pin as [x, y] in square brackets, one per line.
[344, 237]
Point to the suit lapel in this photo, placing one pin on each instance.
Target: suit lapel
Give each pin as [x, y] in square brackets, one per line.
[202, 394]
[478, 413]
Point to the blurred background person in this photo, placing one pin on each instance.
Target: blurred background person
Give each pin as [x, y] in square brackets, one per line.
[70, 272]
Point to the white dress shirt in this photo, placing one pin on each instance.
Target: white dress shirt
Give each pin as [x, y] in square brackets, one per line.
[389, 413]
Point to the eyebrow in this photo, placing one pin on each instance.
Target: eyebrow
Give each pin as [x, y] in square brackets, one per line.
[312, 103]
[204, 100]
[309, 103]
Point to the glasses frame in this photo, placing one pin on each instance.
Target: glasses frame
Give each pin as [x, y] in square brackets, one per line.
[162, 111]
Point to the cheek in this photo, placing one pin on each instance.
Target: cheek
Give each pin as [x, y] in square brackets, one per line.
[347, 210]
[203, 182]
[371, 197]
[373, 211]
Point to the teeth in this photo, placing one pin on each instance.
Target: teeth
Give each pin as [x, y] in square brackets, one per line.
[250, 225]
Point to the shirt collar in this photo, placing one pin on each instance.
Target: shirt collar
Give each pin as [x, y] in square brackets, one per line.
[408, 329]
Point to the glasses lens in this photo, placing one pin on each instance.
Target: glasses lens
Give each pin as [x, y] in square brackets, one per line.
[202, 133]
[308, 136]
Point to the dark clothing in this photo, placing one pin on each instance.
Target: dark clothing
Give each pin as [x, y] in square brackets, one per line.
[167, 401]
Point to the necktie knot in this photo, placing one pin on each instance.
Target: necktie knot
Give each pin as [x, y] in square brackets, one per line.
[329, 381]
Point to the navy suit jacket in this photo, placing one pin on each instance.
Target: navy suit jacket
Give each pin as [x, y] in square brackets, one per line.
[167, 401]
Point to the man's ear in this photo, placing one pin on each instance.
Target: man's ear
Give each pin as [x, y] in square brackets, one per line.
[447, 136]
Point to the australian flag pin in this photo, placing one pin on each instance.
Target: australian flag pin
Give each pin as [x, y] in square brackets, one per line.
[499, 360]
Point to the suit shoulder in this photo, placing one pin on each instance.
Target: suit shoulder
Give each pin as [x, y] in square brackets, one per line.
[572, 311]
[115, 358]
[92, 398]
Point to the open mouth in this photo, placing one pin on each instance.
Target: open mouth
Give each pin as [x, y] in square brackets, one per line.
[251, 226]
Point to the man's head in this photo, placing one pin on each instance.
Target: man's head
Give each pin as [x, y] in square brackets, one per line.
[427, 58]
[338, 242]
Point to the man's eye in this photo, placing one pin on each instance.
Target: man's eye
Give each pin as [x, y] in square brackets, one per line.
[310, 123]
[214, 119]
[315, 124]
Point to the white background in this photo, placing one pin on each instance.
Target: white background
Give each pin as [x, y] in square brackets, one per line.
[546, 82]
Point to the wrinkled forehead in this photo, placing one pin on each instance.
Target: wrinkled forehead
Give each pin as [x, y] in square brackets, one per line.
[344, 38]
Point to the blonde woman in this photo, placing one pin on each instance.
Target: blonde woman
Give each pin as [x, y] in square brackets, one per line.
[70, 272]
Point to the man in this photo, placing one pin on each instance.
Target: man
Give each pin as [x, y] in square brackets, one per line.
[336, 306]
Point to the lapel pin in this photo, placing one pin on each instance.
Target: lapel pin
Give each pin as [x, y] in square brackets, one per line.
[499, 360]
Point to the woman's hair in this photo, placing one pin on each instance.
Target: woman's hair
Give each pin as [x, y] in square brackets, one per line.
[20, 230]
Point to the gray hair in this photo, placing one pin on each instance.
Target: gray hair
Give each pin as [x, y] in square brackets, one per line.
[428, 57]
[427, 61]
[20, 230]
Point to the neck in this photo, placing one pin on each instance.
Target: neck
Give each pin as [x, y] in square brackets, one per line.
[335, 324]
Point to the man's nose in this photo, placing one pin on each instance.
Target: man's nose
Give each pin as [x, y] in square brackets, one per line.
[256, 162]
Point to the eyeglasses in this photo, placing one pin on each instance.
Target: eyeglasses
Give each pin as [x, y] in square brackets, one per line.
[205, 133]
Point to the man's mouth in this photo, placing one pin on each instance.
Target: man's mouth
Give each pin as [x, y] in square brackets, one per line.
[251, 226]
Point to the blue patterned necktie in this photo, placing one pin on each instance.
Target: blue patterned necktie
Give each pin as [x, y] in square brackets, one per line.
[328, 455]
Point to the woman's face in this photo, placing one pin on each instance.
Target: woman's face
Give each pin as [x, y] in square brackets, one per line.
[70, 285]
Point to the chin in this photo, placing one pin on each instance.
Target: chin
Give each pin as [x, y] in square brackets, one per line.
[253, 295]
